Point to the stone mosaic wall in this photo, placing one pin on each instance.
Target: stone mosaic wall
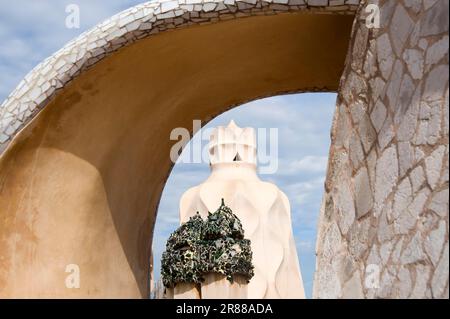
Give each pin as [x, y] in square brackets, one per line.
[138, 22]
[384, 224]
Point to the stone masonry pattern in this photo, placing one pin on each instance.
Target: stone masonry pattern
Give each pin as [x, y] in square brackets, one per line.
[384, 224]
[150, 18]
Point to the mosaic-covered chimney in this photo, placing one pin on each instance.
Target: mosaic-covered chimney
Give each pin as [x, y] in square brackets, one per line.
[263, 210]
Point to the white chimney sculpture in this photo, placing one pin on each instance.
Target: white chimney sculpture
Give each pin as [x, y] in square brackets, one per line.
[263, 209]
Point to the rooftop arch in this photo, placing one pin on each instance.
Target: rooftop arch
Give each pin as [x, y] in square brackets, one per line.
[85, 136]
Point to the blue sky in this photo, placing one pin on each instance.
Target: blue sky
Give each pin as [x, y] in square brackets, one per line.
[32, 30]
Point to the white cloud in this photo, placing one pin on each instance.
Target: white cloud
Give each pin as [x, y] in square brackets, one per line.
[308, 164]
[305, 246]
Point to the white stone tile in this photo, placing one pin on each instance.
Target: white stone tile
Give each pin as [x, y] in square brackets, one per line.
[413, 251]
[417, 177]
[440, 276]
[400, 28]
[168, 6]
[435, 241]
[378, 115]
[437, 51]
[363, 193]
[414, 61]
[439, 203]
[436, 83]
[386, 176]
[433, 166]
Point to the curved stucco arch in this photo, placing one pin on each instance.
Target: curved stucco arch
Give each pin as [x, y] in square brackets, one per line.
[89, 157]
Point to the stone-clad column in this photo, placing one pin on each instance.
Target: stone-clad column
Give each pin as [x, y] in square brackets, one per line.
[383, 229]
